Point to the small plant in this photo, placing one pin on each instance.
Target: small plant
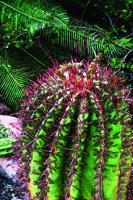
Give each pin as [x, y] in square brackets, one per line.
[76, 139]
[6, 142]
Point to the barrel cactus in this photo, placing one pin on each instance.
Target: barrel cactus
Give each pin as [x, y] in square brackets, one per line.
[76, 143]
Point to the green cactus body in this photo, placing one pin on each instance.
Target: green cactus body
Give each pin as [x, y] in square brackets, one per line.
[76, 140]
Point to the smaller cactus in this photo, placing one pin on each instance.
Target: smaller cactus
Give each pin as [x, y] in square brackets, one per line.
[76, 140]
[6, 142]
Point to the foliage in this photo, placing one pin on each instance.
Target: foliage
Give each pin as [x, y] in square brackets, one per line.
[77, 134]
[12, 81]
[21, 20]
[117, 63]
[121, 15]
[115, 16]
[89, 41]
[6, 142]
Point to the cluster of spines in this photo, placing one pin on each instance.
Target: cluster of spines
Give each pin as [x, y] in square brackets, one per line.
[73, 145]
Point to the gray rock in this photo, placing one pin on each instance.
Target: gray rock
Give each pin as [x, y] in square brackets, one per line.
[9, 167]
[13, 123]
[9, 188]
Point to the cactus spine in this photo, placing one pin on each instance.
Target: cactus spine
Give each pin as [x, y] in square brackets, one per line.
[76, 140]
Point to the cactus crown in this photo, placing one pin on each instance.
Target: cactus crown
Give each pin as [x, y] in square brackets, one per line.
[76, 140]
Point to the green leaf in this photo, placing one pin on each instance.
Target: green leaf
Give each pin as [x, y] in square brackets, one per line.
[30, 16]
[12, 82]
[92, 39]
[6, 142]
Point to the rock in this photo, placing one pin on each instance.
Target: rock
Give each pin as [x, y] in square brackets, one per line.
[9, 167]
[9, 190]
[13, 123]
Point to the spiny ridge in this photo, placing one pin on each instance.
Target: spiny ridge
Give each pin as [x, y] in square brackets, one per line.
[76, 143]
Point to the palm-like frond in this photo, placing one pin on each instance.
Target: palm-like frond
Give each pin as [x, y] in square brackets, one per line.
[26, 16]
[29, 17]
[92, 40]
[12, 82]
[89, 40]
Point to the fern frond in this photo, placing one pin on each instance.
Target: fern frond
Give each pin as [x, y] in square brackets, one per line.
[12, 82]
[26, 16]
[89, 40]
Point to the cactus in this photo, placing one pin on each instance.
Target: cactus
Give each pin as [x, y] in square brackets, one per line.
[77, 133]
[6, 141]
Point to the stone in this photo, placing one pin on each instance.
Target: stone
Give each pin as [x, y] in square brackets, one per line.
[13, 123]
[9, 167]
